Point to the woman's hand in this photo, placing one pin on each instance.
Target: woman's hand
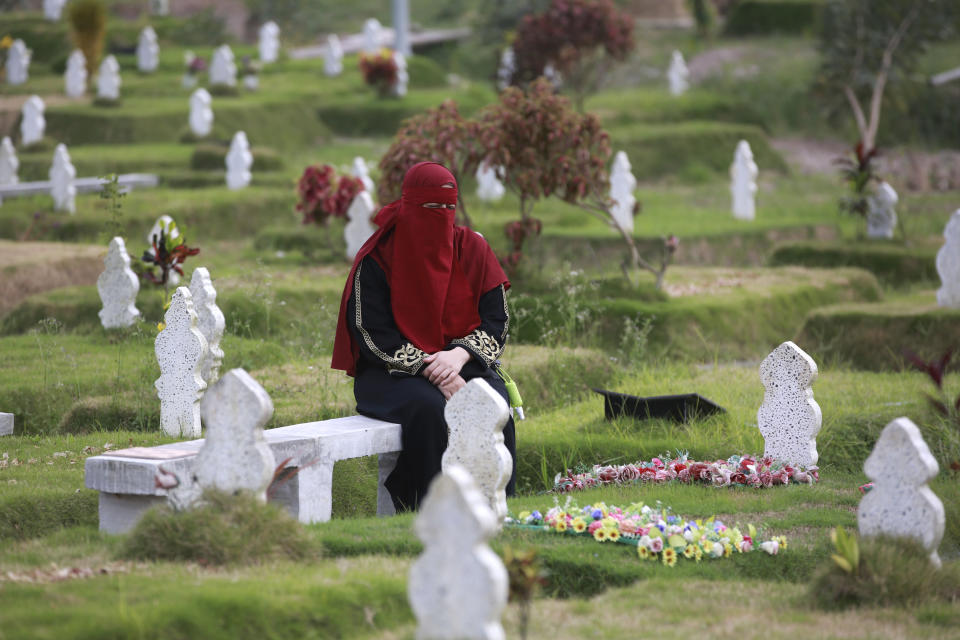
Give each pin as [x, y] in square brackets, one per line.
[449, 388]
[445, 365]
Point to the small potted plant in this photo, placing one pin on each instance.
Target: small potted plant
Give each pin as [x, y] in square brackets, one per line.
[195, 65]
[380, 71]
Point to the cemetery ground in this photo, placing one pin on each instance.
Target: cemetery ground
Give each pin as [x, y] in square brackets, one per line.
[799, 271]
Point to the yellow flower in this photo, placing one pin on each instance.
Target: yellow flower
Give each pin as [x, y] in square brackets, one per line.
[669, 556]
[643, 552]
[561, 526]
[579, 525]
[613, 535]
[783, 542]
[161, 326]
[689, 552]
[609, 523]
[698, 554]
[523, 516]
[600, 534]
[727, 550]
[6, 43]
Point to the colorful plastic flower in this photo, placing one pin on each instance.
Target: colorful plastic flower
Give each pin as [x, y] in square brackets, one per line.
[613, 535]
[579, 525]
[600, 534]
[669, 557]
[643, 552]
[689, 551]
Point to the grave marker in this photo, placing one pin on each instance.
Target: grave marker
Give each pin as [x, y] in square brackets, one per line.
[475, 418]
[948, 260]
[458, 586]
[118, 286]
[108, 79]
[622, 186]
[75, 76]
[201, 113]
[881, 215]
[18, 63]
[743, 182]
[238, 161]
[9, 164]
[32, 122]
[403, 76]
[180, 350]
[148, 51]
[789, 417]
[678, 76]
[269, 42]
[371, 35]
[53, 9]
[210, 321]
[223, 67]
[333, 56]
[6, 424]
[361, 171]
[900, 503]
[489, 187]
[359, 227]
[508, 65]
[62, 175]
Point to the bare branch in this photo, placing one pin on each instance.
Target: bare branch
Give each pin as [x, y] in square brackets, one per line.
[886, 63]
[857, 111]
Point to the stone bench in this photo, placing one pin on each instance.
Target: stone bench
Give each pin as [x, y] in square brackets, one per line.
[127, 486]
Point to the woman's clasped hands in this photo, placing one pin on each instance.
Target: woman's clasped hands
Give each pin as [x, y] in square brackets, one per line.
[443, 370]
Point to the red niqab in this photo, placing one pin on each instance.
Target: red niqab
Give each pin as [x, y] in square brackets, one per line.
[436, 271]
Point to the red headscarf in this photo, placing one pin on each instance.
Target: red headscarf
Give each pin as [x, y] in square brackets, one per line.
[436, 271]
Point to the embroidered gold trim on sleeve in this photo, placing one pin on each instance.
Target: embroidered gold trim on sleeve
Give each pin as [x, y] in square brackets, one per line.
[407, 358]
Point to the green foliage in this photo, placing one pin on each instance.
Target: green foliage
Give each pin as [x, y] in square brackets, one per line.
[213, 157]
[26, 515]
[847, 556]
[893, 264]
[111, 193]
[890, 572]
[704, 15]
[763, 17]
[88, 28]
[224, 530]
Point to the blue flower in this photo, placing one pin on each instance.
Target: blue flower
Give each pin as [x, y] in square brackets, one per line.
[536, 515]
[671, 519]
[597, 514]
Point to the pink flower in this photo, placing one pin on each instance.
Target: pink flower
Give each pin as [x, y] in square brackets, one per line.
[657, 462]
[661, 476]
[656, 545]
[607, 474]
[684, 475]
[596, 524]
[747, 545]
[629, 472]
[628, 526]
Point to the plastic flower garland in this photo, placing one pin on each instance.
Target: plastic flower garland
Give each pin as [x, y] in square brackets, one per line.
[746, 471]
[655, 531]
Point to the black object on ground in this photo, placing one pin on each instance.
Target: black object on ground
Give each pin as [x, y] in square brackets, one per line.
[679, 408]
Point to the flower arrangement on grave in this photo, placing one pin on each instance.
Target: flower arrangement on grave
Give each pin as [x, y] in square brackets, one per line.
[736, 471]
[167, 255]
[380, 71]
[324, 195]
[195, 65]
[656, 532]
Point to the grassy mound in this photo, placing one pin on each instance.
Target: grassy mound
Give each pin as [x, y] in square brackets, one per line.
[630, 106]
[893, 264]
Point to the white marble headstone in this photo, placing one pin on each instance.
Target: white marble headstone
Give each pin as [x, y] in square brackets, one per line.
[52, 9]
[118, 286]
[32, 122]
[489, 187]
[789, 418]
[180, 350]
[403, 76]
[743, 182]
[678, 76]
[235, 456]
[333, 56]
[948, 260]
[148, 51]
[9, 164]
[75, 76]
[108, 79]
[622, 186]
[359, 226]
[201, 113]
[6, 424]
[900, 503]
[360, 170]
[238, 161]
[18, 63]
[508, 65]
[458, 586]
[881, 215]
[372, 35]
[475, 418]
[63, 176]
[223, 67]
[269, 42]
[210, 320]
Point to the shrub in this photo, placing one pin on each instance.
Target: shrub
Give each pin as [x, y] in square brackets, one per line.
[323, 196]
[88, 25]
[224, 530]
[379, 71]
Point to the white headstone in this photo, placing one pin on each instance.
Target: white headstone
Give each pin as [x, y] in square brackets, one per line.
[118, 286]
[210, 320]
[622, 186]
[239, 160]
[62, 180]
[489, 188]
[75, 76]
[9, 164]
[475, 418]
[881, 216]
[403, 76]
[360, 170]
[52, 9]
[371, 36]
[201, 113]
[108, 79]
[508, 65]
[32, 122]
[181, 350]
[160, 7]
[18, 63]
[900, 503]
[223, 67]
[359, 226]
[269, 42]
[333, 57]
[789, 418]
[948, 259]
[458, 586]
[235, 456]
[170, 231]
[148, 51]
[251, 82]
[550, 73]
[678, 76]
[6, 424]
[743, 182]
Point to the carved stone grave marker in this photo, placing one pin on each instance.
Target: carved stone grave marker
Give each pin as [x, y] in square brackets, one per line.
[223, 67]
[743, 182]
[238, 161]
[108, 79]
[333, 57]
[118, 286]
[360, 170]
[201, 113]
[678, 75]
[881, 212]
[75, 76]
[181, 350]
[789, 417]
[948, 260]
[32, 122]
[18, 63]
[372, 35]
[210, 320]
[489, 187]
[359, 227]
[622, 186]
[62, 176]
[148, 51]
[269, 42]
[9, 164]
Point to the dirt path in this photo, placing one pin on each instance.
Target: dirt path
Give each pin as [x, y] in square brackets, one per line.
[27, 268]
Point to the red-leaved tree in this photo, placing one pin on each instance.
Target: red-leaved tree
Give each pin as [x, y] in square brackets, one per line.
[580, 38]
[439, 135]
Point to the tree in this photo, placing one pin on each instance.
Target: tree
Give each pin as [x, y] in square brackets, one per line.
[439, 135]
[579, 38]
[542, 147]
[869, 45]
